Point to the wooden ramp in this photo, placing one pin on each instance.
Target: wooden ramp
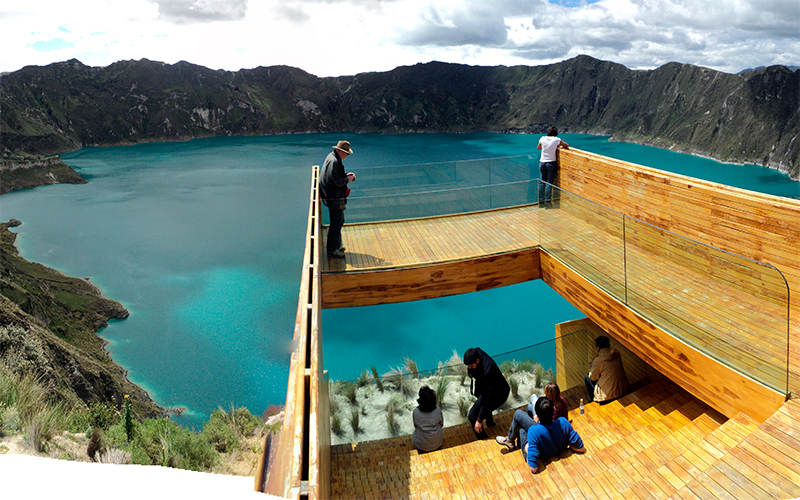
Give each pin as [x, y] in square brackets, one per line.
[657, 442]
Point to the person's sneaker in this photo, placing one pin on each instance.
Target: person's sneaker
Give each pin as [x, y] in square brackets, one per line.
[342, 248]
[503, 440]
[338, 254]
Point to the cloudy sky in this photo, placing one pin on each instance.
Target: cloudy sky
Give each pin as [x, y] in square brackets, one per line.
[345, 37]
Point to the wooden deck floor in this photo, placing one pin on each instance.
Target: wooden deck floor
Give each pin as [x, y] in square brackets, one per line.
[409, 243]
[657, 442]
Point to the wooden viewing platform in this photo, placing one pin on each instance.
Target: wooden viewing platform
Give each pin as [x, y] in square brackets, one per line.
[702, 429]
[656, 442]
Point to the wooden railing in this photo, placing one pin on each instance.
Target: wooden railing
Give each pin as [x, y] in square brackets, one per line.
[298, 465]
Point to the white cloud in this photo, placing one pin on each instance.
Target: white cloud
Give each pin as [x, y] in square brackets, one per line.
[344, 37]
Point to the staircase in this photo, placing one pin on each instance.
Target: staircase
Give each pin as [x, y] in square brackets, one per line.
[656, 442]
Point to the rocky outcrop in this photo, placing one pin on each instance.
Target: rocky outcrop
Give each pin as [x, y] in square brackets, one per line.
[752, 117]
[22, 172]
[48, 325]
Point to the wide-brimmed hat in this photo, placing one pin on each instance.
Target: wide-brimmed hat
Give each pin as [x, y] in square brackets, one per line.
[344, 146]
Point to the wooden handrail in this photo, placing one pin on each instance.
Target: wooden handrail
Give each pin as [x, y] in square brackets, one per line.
[294, 470]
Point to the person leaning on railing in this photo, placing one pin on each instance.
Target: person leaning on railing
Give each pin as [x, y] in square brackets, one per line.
[333, 190]
[548, 166]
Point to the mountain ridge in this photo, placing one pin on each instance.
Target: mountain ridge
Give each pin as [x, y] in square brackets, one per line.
[752, 117]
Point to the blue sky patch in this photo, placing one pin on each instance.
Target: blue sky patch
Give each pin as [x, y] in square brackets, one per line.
[50, 45]
[573, 3]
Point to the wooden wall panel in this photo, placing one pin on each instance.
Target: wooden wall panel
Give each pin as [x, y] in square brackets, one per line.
[575, 349]
[758, 226]
[430, 281]
[717, 385]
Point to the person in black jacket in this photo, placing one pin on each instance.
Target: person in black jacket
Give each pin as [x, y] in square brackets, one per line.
[333, 190]
[490, 387]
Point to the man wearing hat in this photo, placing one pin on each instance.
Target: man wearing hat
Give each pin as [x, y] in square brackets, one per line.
[333, 188]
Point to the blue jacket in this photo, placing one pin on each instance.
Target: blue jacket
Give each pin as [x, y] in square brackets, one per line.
[545, 441]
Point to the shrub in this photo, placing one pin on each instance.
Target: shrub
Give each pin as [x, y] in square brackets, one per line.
[354, 420]
[442, 386]
[220, 433]
[102, 415]
[411, 367]
[508, 366]
[377, 378]
[114, 456]
[543, 377]
[243, 422]
[526, 365]
[350, 392]
[168, 444]
[363, 378]
[272, 410]
[336, 424]
[43, 425]
[463, 406]
[392, 407]
[127, 418]
[513, 383]
[457, 366]
[399, 380]
[96, 444]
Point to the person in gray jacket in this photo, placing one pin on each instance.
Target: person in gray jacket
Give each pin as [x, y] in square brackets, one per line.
[428, 422]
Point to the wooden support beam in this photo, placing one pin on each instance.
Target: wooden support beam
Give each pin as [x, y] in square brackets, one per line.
[429, 281]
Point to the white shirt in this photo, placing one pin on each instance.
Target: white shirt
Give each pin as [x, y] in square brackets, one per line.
[549, 145]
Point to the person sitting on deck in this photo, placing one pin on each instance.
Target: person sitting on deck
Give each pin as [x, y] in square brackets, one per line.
[491, 389]
[606, 379]
[543, 441]
[551, 392]
[428, 421]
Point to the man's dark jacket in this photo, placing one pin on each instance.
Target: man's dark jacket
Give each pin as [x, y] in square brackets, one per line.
[490, 384]
[333, 182]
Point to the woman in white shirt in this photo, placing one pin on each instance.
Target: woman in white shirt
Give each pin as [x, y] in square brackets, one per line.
[548, 166]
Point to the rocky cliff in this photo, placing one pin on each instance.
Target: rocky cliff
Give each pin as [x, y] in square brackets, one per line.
[753, 117]
[48, 325]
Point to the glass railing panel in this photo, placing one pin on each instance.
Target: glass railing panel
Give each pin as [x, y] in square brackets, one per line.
[428, 190]
[379, 406]
[732, 308]
[424, 177]
[587, 237]
[514, 169]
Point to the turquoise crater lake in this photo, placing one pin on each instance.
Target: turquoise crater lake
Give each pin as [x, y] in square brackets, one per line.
[202, 241]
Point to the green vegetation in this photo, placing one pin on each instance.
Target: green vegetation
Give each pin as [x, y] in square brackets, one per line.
[27, 409]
